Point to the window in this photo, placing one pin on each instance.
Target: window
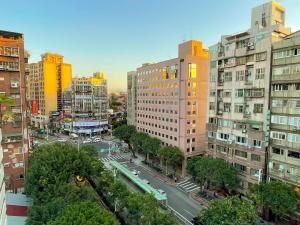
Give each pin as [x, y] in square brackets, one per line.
[258, 108]
[256, 143]
[254, 172]
[240, 75]
[240, 167]
[212, 93]
[294, 138]
[294, 154]
[211, 106]
[277, 103]
[239, 93]
[222, 149]
[279, 119]
[282, 54]
[211, 146]
[280, 87]
[192, 70]
[278, 135]
[227, 107]
[241, 140]
[241, 154]
[294, 121]
[261, 56]
[277, 151]
[228, 76]
[296, 51]
[213, 64]
[222, 136]
[255, 157]
[227, 94]
[283, 70]
[260, 73]
[238, 108]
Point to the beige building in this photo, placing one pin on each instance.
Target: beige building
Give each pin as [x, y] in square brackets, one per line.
[284, 151]
[46, 82]
[171, 99]
[131, 98]
[238, 104]
[89, 97]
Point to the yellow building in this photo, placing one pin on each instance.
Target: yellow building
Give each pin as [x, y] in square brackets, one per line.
[46, 83]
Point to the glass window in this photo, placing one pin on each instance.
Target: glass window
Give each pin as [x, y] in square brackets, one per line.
[192, 70]
[294, 154]
[255, 157]
[258, 108]
[277, 151]
[241, 154]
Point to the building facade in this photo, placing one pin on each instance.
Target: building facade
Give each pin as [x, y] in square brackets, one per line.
[284, 150]
[238, 121]
[171, 99]
[131, 98]
[14, 134]
[89, 97]
[3, 217]
[47, 81]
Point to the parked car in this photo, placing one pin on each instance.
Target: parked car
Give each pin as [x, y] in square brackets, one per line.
[196, 221]
[86, 141]
[161, 191]
[146, 181]
[96, 140]
[135, 172]
[62, 140]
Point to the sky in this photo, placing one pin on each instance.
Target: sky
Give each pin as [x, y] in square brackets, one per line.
[117, 36]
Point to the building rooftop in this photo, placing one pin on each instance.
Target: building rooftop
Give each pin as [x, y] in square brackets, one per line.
[10, 35]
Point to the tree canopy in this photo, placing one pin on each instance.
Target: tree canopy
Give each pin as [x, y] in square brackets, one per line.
[125, 132]
[279, 197]
[84, 213]
[213, 173]
[172, 156]
[229, 211]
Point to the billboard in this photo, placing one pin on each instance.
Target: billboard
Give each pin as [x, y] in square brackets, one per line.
[34, 106]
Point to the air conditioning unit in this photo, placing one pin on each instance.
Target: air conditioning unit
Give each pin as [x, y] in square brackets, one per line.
[250, 44]
[14, 85]
[244, 131]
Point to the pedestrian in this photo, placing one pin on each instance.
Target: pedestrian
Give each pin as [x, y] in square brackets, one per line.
[175, 179]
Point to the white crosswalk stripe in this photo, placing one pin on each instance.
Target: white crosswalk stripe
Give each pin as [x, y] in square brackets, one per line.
[113, 157]
[187, 186]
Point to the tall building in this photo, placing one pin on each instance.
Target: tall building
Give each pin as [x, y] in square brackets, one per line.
[89, 97]
[131, 98]
[238, 121]
[14, 134]
[47, 81]
[284, 150]
[171, 99]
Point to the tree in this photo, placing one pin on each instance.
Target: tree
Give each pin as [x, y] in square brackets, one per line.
[213, 173]
[137, 140]
[172, 156]
[85, 213]
[277, 196]
[229, 211]
[150, 145]
[124, 133]
[7, 116]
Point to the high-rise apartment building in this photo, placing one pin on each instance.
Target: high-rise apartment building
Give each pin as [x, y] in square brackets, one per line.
[14, 134]
[131, 98]
[238, 121]
[171, 99]
[47, 81]
[284, 150]
[89, 97]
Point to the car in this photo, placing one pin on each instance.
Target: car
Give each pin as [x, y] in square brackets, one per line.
[146, 181]
[96, 140]
[162, 192]
[135, 172]
[62, 140]
[86, 141]
[196, 221]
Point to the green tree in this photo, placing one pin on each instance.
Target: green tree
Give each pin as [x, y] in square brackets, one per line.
[137, 140]
[277, 196]
[85, 213]
[213, 173]
[124, 133]
[150, 145]
[172, 156]
[7, 116]
[229, 211]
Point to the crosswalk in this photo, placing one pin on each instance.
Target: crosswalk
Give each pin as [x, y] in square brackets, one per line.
[187, 186]
[113, 157]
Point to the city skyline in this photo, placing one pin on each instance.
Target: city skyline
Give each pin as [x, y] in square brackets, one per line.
[122, 47]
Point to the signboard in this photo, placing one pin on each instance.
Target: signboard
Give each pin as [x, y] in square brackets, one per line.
[34, 107]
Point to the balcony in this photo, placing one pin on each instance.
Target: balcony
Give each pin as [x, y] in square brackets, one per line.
[295, 179]
[285, 110]
[286, 94]
[286, 77]
[285, 143]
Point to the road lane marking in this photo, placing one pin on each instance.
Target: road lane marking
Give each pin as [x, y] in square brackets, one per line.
[194, 189]
[187, 185]
[183, 182]
[189, 212]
